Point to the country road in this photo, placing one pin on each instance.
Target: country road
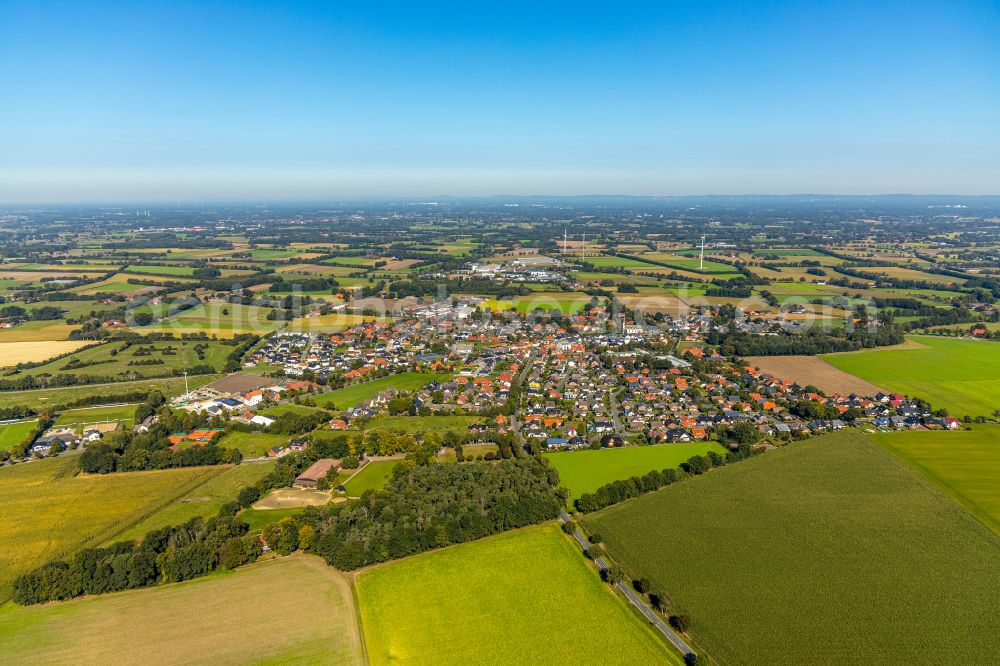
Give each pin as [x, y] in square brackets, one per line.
[632, 596]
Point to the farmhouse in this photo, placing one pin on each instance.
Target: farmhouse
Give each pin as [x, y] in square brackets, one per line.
[317, 471]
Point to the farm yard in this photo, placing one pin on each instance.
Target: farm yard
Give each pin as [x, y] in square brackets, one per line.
[777, 559]
[965, 465]
[960, 375]
[48, 512]
[460, 606]
[310, 619]
[815, 371]
[586, 471]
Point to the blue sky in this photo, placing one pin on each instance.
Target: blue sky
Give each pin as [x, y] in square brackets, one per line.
[172, 100]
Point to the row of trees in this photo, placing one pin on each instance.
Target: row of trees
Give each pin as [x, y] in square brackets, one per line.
[810, 342]
[619, 491]
[172, 554]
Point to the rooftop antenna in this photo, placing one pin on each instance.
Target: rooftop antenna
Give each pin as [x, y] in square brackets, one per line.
[701, 260]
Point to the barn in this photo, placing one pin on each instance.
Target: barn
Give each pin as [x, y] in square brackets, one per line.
[318, 470]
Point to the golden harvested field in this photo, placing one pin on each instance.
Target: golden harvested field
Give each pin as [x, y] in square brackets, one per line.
[288, 610]
[652, 304]
[910, 274]
[37, 331]
[805, 370]
[399, 264]
[292, 498]
[48, 512]
[12, 353]
[34, 276]
[331, 322]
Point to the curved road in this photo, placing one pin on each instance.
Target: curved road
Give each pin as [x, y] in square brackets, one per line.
[636, 600]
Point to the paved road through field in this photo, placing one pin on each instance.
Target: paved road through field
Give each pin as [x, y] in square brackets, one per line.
[636, 600]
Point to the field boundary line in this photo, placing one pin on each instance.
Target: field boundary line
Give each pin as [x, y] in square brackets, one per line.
[353, 582]
[115, 528]
[146, 512]
[939, 485]
[648, 613]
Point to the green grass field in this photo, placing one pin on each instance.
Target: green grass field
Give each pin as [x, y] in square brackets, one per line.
[116, 284]
[13, 434]
[253, 444]
[223, 320]
[353, 395]
[286, 408]
[522, 597]
[112, 360]
[258, 518]
[414, 424]
[288, 610]
[169, 386]
[586, 471]
[181, 271]
[820, 551]
[48, 512]
[966, 465]
[371, 477]
[689, 263]
[616, 262]
[203, 500]
[566, 303]
[85, 415]
[962, 376]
